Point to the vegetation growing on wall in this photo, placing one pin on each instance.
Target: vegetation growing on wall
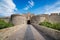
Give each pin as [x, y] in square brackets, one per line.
[50, 25]
[3, 24]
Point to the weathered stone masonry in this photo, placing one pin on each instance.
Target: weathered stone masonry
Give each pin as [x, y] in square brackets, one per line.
[18, 19]
[53, 18]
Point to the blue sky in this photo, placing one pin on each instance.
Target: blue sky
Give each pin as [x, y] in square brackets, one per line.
[8, 7]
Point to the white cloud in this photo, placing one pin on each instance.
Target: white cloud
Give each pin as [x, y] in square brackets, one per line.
[55, 8]
[48, 9]
[7, 7]
[30, 5]
[26, 8]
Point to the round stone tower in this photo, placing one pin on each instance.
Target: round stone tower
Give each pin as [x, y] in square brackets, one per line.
[17, 19]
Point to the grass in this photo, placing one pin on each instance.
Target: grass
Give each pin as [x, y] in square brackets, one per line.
[3, 24]
[50, 25]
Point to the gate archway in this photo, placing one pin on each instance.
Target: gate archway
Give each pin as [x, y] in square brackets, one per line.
[28, 22]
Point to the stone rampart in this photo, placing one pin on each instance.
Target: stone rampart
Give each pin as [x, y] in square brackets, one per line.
[53, 18]
[17, 19]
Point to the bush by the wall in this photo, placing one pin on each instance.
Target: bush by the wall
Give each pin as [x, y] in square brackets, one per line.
[3, 24]
[50, 25]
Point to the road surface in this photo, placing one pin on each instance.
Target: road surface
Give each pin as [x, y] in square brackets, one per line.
[27, 33]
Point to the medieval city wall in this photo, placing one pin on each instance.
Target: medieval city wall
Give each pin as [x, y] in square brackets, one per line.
[36, 19]
[18, 19]
[53, 18]
[39, 18]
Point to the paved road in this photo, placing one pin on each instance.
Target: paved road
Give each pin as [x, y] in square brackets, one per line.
[26, 33]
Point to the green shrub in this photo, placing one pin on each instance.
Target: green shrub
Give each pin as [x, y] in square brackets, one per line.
[48, 24]
[3, 24]
[56, 26]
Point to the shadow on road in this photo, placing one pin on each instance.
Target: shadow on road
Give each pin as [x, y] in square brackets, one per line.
[47, 37]
[28, 34]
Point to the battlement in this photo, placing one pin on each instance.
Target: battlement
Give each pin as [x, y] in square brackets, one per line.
[52, 14]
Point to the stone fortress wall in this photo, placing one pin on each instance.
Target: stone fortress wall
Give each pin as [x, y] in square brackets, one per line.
[17, 19]
[53, 18]
[39, 18]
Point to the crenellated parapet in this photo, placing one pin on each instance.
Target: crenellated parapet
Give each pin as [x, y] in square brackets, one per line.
[53, 14]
